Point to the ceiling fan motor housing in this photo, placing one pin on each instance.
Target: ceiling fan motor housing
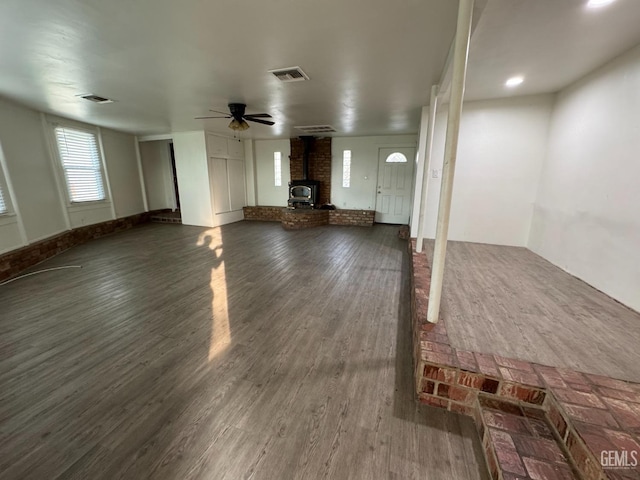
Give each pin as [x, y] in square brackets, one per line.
[237, 110]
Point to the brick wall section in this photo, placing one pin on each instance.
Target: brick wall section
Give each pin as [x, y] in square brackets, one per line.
[16, 261]
[263, 214]
[300, 218]
[358, 218]
[588, 413]
[319, 164]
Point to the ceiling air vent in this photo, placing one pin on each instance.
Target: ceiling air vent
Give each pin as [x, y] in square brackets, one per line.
[95, 98]
[291, 74]
[316, 129]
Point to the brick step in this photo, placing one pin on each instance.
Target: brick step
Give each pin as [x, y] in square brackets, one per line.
[166, 218]
[519, 445]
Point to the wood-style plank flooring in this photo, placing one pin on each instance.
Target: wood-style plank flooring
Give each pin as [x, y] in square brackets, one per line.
[234, 353]
[512, 302]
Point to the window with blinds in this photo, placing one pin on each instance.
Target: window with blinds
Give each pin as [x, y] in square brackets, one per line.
[3, 204]
[80, 160]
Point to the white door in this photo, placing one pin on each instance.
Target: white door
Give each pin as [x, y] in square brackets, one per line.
[395, 176]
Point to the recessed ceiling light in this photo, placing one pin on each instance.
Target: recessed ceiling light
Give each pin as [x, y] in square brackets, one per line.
[599, 3]
[514, 82]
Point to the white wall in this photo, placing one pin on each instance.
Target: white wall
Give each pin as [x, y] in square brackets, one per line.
[38, 198]
[364, 168]
[158, 177]
[30, 170]
[267, 194]
[587, 215]
[124, 176]
[500, 155]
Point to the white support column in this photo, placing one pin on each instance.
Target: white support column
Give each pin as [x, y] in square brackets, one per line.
[143, 187]
[460, 56]
[433, 109]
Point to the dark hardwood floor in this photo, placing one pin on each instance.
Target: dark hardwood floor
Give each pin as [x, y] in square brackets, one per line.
[240, 352]
[511, 302]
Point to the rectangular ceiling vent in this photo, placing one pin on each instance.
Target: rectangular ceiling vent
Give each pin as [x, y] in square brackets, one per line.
[316, 129]
[291, 74]
[95, 98]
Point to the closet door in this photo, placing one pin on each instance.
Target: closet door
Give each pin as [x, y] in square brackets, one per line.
[235, 170]
[219, 182]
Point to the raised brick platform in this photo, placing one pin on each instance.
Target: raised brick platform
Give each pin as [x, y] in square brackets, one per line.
[263, 214]
[592, 418]
[358, 218]
[167, 216]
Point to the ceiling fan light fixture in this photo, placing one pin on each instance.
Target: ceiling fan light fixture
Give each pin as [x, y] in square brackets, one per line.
[238, 126]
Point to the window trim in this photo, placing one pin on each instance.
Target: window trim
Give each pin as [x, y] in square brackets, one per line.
[64, 185]
[3, 200]
[6, 193]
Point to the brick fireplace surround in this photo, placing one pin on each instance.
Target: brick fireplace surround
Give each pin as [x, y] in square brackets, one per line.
[535, 421]
[319, 164]
[319, 169]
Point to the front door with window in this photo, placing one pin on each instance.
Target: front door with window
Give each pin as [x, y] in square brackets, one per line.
[395, 175]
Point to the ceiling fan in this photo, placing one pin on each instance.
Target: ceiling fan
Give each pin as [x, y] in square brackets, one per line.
[236, 112]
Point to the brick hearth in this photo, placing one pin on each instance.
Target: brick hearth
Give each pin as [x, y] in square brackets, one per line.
[356, 218]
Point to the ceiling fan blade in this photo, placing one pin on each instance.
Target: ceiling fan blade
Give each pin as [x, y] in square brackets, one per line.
[257, 120]
[258, 115]
[218, 111]
[202, 118]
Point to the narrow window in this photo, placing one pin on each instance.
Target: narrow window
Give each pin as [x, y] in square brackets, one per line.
[3, 204]
[80, 159]
[277, 169]
[346, 168]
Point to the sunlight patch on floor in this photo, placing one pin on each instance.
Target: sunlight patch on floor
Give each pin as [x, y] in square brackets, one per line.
[220, 329]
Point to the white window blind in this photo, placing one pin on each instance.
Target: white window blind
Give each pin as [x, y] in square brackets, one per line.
[277, 169]
[346, 168]
[81, 164]
[3, 204]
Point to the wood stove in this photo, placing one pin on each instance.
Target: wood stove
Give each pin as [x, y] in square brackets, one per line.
[304, 193]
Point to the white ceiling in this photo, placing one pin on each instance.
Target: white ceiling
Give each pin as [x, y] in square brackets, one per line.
[371, 62]
[552, 43]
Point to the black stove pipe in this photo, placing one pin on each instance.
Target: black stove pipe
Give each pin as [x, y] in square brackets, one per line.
[308, 143]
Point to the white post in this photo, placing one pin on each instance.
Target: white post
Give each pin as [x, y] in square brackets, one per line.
[433, 108]
[143, 187]
[460, 56]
